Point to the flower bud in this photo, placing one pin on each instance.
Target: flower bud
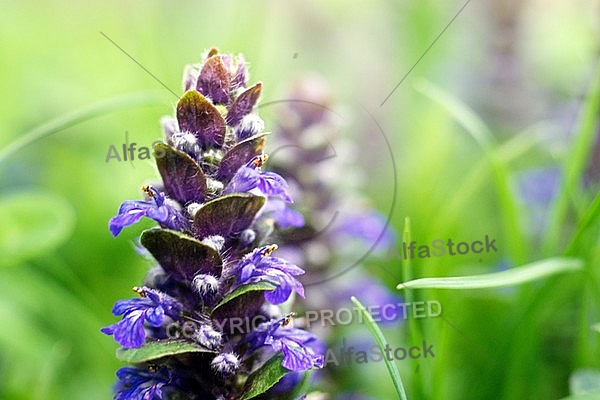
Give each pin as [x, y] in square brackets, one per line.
[206, 286]
[208, 337]
[247, 237]
[216, 242]
[186, 142]
[225, 364]
[250, 125]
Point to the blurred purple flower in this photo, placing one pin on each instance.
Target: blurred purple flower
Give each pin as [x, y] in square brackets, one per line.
[283, 215]
[373, 293]
[368, 226]
[539, 186]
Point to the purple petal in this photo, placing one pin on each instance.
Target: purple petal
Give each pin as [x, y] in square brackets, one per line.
[247, 271]
[135, 205]
[283, 265]
[297, 357]
[272, 184]
[155, 316]
[129, 332]
[244, 180]
[137, 303]
[117, 223]
[280, 294]
[289, 218]
[160, 214]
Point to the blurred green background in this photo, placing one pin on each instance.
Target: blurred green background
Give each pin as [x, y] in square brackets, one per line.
[523, 68]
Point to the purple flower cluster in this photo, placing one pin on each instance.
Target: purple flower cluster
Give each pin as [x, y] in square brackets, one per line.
[215, 207]
[307, 125]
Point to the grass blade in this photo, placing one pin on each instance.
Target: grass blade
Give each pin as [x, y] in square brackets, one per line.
[381, 342]
[483, 136]
[87, 112]
[575, 162]
[513, 276]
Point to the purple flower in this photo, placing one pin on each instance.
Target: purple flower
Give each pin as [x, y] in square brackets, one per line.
[373, 293]
[259, 266]
[538, 186]
[156, 208]
[151, 307]
[368, 226]
[138, 384]
[250, 177]
[283, 215]
[298, 346]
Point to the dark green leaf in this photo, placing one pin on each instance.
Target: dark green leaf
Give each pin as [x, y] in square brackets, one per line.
[158, 349]
[197, 115]
[239, 155]
[252, 287]
[264, 378]
[183, 178]
[227, 215]
[180, 254]
[243, 303]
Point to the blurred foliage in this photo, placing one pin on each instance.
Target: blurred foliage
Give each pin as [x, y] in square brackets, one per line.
[518, 67]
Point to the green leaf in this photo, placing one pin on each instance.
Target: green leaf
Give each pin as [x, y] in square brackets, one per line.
[159, 349]
[302, 387]
[589, 219]
[227, 215]
[575, 162]
[463, 114]
[381, 342]
[527, 273]
[264, 378]
[252, 287]
[33, 223]
[197, 115]
[183, 178]
[475, 126]
[181, 254]
[239, 155]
